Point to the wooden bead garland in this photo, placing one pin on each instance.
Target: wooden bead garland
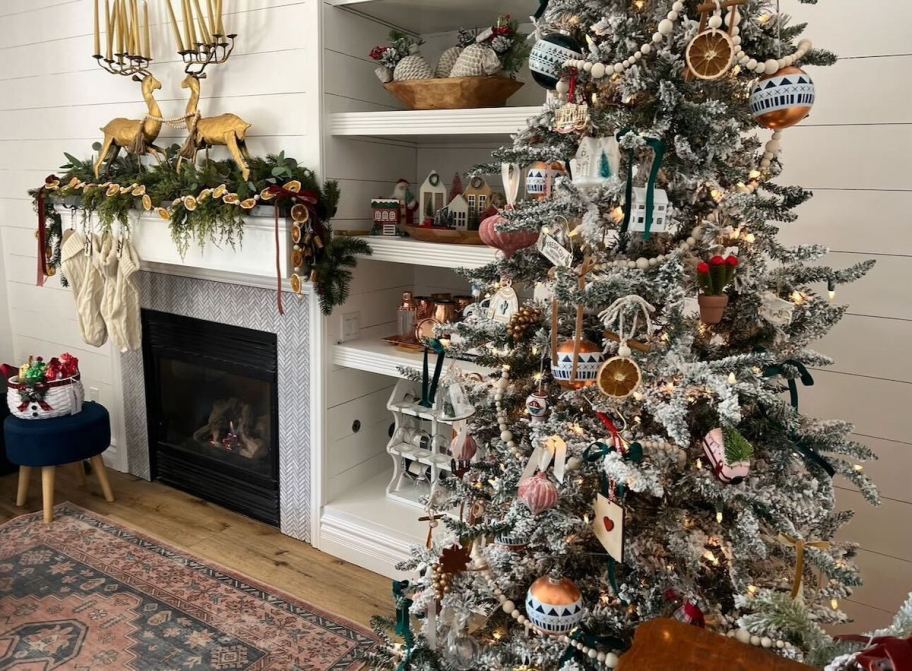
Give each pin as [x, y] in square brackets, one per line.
[744, 636]
[505, 434]
[643, 263]
[600, 70]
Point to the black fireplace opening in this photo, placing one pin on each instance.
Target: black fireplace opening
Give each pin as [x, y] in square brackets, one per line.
[212, 407]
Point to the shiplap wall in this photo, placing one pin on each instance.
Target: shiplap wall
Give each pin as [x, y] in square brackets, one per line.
[853, 152]
[53, 98]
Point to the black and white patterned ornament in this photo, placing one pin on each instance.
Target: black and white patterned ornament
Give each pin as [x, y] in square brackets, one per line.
[548, 55]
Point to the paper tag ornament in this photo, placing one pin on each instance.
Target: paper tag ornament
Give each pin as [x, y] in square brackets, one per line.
[554, 251]
[551, 448]
[608, 526]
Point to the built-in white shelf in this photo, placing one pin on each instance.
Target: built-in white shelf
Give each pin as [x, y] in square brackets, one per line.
[377, 356]
[438, 255]
[370, 529]
[492, 124]
[437, 16]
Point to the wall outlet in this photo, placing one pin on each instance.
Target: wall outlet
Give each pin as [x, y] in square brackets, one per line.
[351, 326]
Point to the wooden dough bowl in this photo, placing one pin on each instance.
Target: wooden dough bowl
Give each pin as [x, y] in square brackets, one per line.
[669, 645]
[454, 92]
[445, 235]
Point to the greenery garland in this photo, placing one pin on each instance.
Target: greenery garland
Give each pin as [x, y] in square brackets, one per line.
[201, 203]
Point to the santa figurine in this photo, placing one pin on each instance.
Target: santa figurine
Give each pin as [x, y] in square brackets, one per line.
[408, 204]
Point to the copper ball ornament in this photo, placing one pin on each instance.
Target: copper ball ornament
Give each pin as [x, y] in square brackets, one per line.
[554, 605]
[782, 99]
[588, 361]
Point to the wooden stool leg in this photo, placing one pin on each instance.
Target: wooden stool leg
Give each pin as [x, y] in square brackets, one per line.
[80, 471]
[47, 492]
[98, 465]
[22, 494]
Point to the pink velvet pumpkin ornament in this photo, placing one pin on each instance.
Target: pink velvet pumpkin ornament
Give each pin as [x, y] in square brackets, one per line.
[538, 493]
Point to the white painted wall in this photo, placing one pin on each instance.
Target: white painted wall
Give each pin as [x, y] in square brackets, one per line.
[853, 152]
[53, 98]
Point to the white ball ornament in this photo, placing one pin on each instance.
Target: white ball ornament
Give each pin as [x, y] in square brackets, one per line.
[619, 68]
[506, 436]
[760, 68]
[766, 642]
[771, 66]
[666, 26]
[657, 37]
[715, 22]
[508, 607]
[598, 70]
[673, 15]
[611, 660]
[755, 640]
[677, 6]
[642, 263]
[645, 49]
[743, 636]
[751, 63]
[587, 66]
[563, 86]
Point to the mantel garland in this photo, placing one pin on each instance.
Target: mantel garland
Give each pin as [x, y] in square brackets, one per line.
[201, 203]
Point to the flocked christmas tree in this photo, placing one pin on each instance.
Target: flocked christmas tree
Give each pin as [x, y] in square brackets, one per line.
[640, 449]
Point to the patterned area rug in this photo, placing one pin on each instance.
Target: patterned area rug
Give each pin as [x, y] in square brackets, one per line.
[84, 594]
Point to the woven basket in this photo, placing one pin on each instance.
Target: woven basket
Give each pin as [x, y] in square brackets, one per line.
[454, 92]
[50, 399]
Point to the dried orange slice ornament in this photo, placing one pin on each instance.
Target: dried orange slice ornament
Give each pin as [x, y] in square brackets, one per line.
[619, 377]
[147, 202]
[295, 282]
[709, 54]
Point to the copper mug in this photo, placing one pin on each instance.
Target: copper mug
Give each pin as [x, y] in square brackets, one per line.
[441, 298]
[462, 302]
[425, 307]
[445, 311]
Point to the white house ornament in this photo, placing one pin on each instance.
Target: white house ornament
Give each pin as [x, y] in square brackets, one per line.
[729, 455]
[782, 99]
[597, 160]
[546, 60]
[554, 605]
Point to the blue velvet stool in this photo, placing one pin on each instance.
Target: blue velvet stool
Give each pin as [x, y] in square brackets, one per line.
[47, 443]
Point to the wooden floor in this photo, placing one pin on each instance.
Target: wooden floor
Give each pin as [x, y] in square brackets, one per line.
[213, 533]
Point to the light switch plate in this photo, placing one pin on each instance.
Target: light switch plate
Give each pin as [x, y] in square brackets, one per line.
[351, 326]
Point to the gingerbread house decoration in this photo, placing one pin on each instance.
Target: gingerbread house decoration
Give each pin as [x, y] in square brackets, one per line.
[432, 196]
[478, 196]
[458, 211]
[386, 215]
[661, 210]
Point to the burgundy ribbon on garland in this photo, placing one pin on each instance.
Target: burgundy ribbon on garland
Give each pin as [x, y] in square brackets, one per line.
[42, 239]
[897, 652]
[308, 198]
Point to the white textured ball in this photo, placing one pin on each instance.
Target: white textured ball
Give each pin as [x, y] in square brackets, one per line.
[598, 70]
[619, 67]
[755, 640]
[677, 6]
[773, 146]
[760, 69]
[563, 86]
[673, 15]
[587, 67]
[600, 656]
[515, 614]
[506, 436]
[715, 22]
[657, 37]
[592, 653]
[736, 40]
[743, 636]
[666, 26]
[691, 241]
[751, 64]
[771, 66]
[631, 264]
[638, 55]
[508, 607]
[611, 660]
[766, 642]
[645, 49]
[642, 263]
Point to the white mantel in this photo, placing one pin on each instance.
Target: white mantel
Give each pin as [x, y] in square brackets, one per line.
[252, 262]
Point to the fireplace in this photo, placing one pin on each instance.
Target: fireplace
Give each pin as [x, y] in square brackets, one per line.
[212, 411]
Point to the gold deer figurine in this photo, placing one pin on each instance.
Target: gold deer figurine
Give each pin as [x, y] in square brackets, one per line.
[136, 136]
[227, 129]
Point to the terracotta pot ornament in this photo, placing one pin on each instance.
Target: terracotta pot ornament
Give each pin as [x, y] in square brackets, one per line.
[508, 242]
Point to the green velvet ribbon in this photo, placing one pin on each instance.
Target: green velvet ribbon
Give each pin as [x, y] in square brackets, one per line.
[587, 638]
[542, 6]
[403, 625]
[659, 148]
[428, 385]
[804, 375]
